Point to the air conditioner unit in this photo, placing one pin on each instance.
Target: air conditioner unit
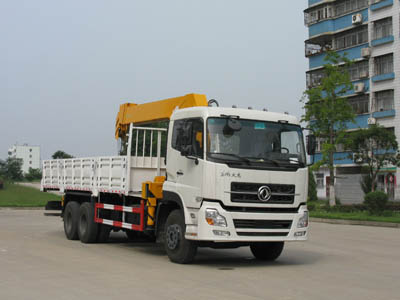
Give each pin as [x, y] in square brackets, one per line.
[357, 158]
[357, 19]
[371, 121]
[359, 87]
[363, 74]
[366, 52]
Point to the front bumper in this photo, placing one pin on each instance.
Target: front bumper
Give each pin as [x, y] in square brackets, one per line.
[247, 233]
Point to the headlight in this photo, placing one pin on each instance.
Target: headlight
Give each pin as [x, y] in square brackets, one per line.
[303, 221]
[214, 218]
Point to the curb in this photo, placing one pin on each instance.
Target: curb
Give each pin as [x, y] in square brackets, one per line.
[21, 208]
[355, 222]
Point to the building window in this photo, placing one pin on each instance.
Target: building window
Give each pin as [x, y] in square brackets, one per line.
[320, 142]
[329, 11]
[319, 178]
[314, 78]
[347, 6]
[30, 150]
[383, 28]
[358, 70]
[383, 64]
[30, 162]
[359, 104]
[384, 100]
[351, 39]
[318, 14]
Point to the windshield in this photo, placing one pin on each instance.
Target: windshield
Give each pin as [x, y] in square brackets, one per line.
[256, 143]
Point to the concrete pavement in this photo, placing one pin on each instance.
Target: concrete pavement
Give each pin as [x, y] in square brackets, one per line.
[338, 262]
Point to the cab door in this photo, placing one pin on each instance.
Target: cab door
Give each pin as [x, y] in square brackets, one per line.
[185, 160]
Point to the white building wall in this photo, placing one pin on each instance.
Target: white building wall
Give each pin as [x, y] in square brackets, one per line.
[30, 156]
[394, 47]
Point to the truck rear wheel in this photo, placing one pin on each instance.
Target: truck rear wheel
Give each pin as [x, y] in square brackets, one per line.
[178, 248]
[71, 219]
[87, 229]
[268, 251]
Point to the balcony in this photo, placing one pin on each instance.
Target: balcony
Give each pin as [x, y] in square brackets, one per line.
[383, 77]
[381, 41]
[312, 2]
[329, 26]
[317, 60]
[339, 158]
[383, 107]
[380, 4]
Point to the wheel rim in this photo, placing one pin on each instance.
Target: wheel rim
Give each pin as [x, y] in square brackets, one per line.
[173, 236]
[83, 224]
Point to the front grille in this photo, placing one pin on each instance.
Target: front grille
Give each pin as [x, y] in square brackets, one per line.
[262, 224]
[262, 233]
[244, 192]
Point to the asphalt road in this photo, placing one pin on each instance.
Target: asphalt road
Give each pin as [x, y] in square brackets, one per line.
[338, 262]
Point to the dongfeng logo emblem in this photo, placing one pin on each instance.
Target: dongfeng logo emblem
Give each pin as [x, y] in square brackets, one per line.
[264, 193]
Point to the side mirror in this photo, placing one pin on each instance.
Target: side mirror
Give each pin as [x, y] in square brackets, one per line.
[311, 144]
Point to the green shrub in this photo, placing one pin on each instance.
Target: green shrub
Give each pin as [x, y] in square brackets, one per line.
[376, 202]
[311, 206]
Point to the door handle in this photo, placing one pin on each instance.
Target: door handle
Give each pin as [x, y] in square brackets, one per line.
[179, 173]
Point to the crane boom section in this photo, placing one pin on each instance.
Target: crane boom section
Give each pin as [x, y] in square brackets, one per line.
[153, 111]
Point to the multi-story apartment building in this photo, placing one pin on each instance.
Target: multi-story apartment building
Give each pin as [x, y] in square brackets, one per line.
[369, 32]
[30, 156]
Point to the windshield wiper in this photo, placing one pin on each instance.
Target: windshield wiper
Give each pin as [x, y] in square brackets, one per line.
[265, 159]
[293, 161]
[241, 158]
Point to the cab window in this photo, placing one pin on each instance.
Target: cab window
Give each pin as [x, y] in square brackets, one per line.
[196, 140]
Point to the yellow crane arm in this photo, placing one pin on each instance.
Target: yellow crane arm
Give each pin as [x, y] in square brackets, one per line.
[153, 111]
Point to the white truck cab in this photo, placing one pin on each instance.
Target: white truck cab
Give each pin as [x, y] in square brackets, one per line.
[240, 175]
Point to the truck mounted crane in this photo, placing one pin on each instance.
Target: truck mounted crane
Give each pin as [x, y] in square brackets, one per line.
[216, 177]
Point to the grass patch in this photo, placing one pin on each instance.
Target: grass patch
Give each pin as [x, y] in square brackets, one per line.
[389, 216]
[14, 195]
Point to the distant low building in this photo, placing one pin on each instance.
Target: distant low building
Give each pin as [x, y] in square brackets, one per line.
[30, 156]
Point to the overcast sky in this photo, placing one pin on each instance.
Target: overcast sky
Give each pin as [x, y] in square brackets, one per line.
[66, 66]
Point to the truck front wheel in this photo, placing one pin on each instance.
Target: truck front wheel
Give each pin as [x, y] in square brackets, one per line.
[268, 251]
[179, 249]
[87, 229]
[71, 219]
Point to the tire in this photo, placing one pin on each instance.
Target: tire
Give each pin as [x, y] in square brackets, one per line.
[103, 233]
[87, 229]
[268, 251]
[71, 220]
[178, 248]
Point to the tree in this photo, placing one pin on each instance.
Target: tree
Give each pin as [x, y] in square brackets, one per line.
[33, 174]
[327, 111]
[61, 155]
[11, 169]
[312, 187]
[374, 147]
[140, 136]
